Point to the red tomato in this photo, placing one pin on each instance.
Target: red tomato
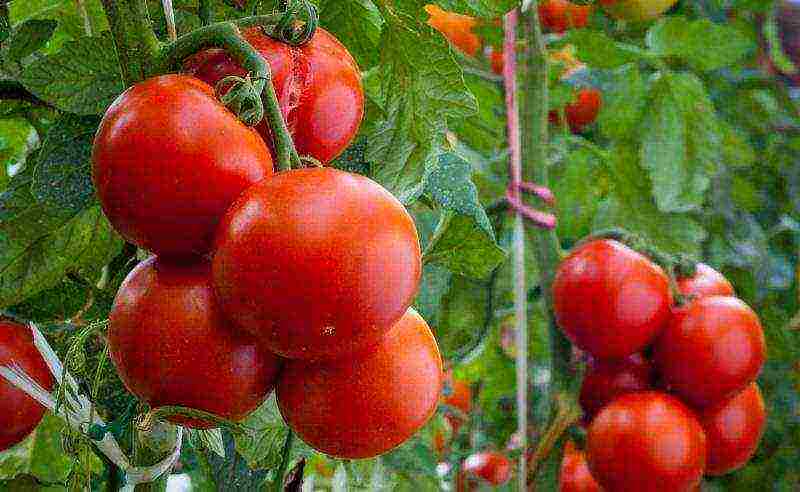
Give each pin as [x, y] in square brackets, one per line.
[575, 475]
[706, 282]
[610, 300]
[456, 28]
[164, 166]
[460, 397]
[317, 262]
[497, 61]
[733, 427]
[712, 348]
[584, 110]
[646, 442]
[606, 380]
[368, 403]
[20, 413]
[560, 15]
[318, 86]
[491, 466]
[172, 346]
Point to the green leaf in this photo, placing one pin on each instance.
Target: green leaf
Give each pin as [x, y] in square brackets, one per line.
[357, 24]
[435, 284]
[485, 131]
[40, 454]
[420, 86]
[210, 439]
[339, 482]
[462, 317]
[701, 43]
[487, 9]
[82, 78]
[681, 142]
[624, 103]
[263, 448]
[17, 139]
[576, 186]
[599, 51]
[63, 177]
[414, 459]
[26, 39]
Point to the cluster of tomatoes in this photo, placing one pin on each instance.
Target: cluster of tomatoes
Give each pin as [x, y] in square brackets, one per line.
[670, 393]
[299, 281]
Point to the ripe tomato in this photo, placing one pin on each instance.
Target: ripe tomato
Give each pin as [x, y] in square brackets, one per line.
[456, 28]
[20, 413]
[317, 262]
[164, 166]
[645, 442]
[491, 466]
[606, 380]
[581, 112]
[706, 282]
[574, 475]
[370, 402]
[318, 87]
[636, 10]
[712, 348]
[172, 346]
[459, 397]
[733, 427]
[560, 15]
[610, 300]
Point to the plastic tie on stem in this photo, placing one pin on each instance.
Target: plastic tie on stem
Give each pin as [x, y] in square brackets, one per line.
[543, 220]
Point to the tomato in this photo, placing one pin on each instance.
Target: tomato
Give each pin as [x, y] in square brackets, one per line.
[581, 112]
[574, 475]
[497, 61]
[645, 442]
[705, 282]
[459, 397]
[610, 300]
[318, 86]
[164, 166]
[172, 346]
[712, 348]
[317, 262]
[456, 28]
[733, 427]
[370, 402]
[606, 380]
[637, 10]
[560, 15]
[491, 466]
[20, 413]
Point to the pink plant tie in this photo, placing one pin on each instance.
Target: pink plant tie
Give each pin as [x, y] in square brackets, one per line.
[540, 219]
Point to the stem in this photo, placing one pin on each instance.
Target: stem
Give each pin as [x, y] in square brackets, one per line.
[287, 447]
[226, 35]
[520, 291]
[169, 16]
[568, 414]
[87, 21]
[136, 43]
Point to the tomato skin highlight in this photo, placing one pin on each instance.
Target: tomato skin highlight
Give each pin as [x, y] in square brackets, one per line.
[734, 428]
[560, 15]
[317, 263]
[712, 348]
[574, 475]
[318, 87]
[491, 466]
[646, 442]
[172, 346]
[610, 300]
[368, 403]
[457, 28]
[606, 380]
[20, 413]
[164, 167]
[705, 282]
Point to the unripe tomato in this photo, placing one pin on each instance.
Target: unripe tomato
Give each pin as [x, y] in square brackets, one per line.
[646, 442]
[173, 347]
[581, 112]
[317, 262]
[733, 427]
[491, 466]
[637, 10]
[712, 348]
[610, 300]
[459, 397]
[560, 15]
[574, 475]
[456, 28]
[20, 413]
[318, 86]
[705, 282]
[368, 403]
[606, 380]
[164, 165]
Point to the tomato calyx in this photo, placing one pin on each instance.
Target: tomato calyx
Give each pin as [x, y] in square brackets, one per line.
[242, 97]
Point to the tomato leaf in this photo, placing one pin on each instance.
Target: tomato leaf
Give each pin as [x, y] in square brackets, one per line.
[488, 9]
[26, 39]
[263, 448]
[414, 459]
[624, 102]
[82, 78]
[435, 284]
[701, 43]
[357, 24]
[576, 185]
[599, 51]
[40, 454]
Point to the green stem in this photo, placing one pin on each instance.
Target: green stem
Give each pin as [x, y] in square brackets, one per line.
[285, 452]
[206, 12]
[136, 43]
[226, 35]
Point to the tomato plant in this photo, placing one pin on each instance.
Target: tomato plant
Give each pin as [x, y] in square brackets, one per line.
[459, 396]
[582, 111]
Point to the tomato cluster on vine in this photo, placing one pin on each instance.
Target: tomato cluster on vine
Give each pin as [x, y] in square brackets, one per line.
[298, 281]
[669, 393]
